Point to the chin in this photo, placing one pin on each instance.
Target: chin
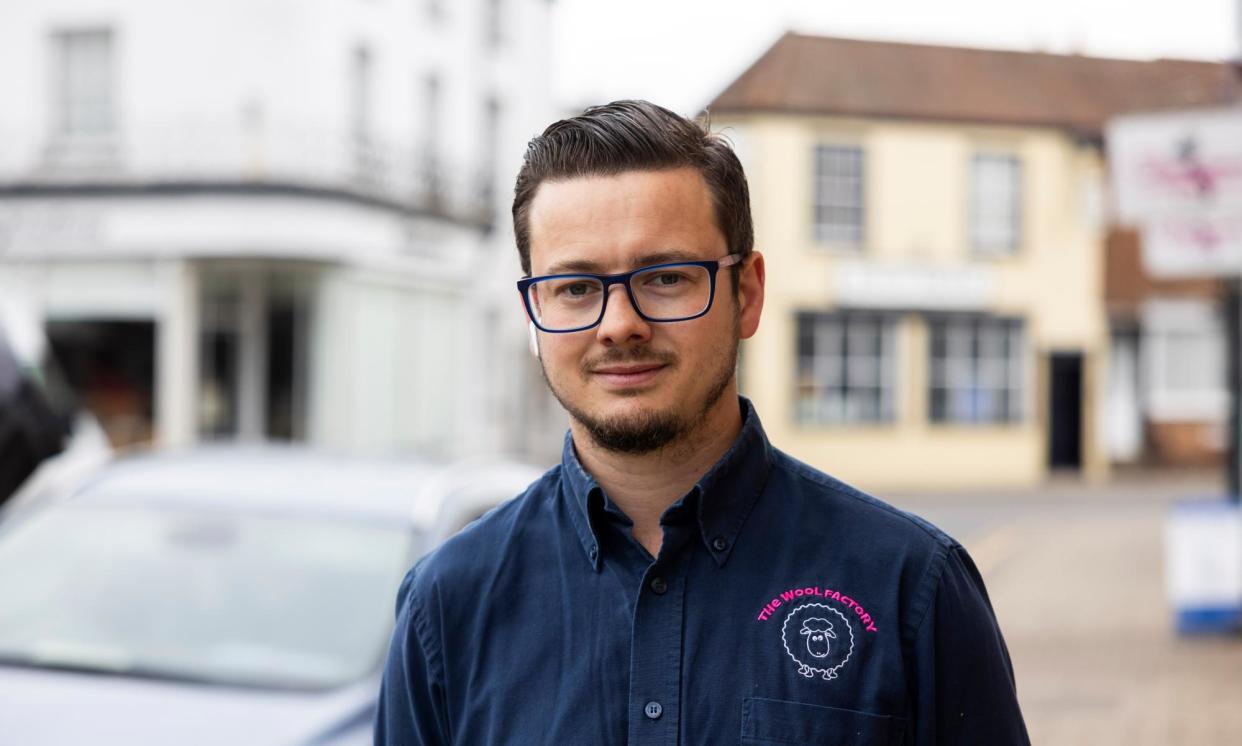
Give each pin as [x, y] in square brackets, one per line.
[626, 405]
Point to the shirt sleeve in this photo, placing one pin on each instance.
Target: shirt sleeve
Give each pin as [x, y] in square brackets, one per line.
[965, 691]
[411, 699]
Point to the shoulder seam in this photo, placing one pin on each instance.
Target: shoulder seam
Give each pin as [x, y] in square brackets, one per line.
[845, 490]
[423, 635]
[928, 589]
[422, 629]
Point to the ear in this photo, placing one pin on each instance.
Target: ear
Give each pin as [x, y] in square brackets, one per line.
[532, 337]
[805, 631]
[750, 293]
[532, 334]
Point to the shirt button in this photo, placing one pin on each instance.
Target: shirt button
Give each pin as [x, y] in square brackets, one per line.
[719, 544]
[658, 587]
[653, 710]
[593, 553]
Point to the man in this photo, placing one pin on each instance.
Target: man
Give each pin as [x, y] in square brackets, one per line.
[676, 579]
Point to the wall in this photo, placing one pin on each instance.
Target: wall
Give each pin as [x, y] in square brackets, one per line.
[917, 222]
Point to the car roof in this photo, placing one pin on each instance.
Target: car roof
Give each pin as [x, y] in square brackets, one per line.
[297, 480]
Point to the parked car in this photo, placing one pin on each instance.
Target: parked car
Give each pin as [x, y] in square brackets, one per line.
[225, 595]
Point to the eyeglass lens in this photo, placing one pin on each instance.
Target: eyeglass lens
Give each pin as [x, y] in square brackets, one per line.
[662, 293]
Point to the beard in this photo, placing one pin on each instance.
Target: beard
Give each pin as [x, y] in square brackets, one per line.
[648, 431]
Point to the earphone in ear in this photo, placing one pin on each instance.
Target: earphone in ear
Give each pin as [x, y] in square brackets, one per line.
[533, 336]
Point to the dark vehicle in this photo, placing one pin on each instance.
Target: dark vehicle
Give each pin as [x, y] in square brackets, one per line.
[31, 430]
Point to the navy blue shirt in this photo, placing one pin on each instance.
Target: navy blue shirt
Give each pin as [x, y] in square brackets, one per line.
[785, 607]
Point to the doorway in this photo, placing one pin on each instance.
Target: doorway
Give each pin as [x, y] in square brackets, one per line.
[1065, 410]
[110, 366]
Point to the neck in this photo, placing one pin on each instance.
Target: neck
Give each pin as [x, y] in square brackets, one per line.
[644, 485]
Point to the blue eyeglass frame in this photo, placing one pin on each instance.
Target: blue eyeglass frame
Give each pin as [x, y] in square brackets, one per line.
[623, 279]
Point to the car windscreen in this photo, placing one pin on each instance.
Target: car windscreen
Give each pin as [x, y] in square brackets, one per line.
[205, 596]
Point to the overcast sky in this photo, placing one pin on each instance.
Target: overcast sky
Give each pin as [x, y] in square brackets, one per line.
[681, 53]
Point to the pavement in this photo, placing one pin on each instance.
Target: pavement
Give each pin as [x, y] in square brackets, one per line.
[1076, 576]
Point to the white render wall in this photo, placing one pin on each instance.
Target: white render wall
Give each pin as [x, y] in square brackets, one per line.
[418, 340]
[208, 86]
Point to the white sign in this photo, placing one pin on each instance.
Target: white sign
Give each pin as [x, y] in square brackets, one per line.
[1178, 178]
[1203, 564]
[950, 288]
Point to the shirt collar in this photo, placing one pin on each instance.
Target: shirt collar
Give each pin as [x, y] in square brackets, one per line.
[722, 499]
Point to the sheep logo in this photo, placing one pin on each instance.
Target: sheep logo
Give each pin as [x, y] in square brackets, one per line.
[819, 639]
[817, 632]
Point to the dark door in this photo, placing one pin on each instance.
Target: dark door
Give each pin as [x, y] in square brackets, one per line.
[110, 365]
[1065, 410]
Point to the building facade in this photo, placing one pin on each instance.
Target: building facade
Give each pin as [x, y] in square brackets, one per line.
[934, 223]
[1168, 391]
[273, 220]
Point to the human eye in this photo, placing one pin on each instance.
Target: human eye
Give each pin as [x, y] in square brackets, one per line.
[667, 279]
[574, 289]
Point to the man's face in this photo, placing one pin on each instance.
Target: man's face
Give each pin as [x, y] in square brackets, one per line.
[635, 385]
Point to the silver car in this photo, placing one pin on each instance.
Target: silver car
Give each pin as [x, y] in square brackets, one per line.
[219, 596]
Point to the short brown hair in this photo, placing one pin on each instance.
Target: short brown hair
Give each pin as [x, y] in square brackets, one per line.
[635, 136]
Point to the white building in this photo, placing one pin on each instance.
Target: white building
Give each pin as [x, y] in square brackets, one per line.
[276, 218]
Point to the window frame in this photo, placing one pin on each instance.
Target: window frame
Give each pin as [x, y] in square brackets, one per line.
[983, 213]
[966, 335]
[1181, 338]
[848, 235]
[835, 334]
[65, 100]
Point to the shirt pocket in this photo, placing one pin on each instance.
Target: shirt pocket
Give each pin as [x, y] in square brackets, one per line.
[774, 722]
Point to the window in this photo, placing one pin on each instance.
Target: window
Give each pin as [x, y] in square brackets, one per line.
[365, 161]
[85, 96]
[846, 368]
[493, 24]
[995, 203]
[976, 369]
[839, 195]
[430, 170]
[489, 149]
[1194, 360]
[360, 91]
[1184, 348]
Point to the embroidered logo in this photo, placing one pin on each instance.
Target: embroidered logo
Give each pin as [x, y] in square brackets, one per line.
[818, 632]
[818, 638]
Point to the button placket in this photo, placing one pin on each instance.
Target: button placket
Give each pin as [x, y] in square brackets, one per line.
[656, 655]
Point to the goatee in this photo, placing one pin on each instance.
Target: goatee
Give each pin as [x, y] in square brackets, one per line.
[648, 431]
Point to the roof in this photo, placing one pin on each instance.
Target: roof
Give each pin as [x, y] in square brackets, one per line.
[803, 74]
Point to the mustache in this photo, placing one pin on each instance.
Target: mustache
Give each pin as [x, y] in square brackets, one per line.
[632, 355]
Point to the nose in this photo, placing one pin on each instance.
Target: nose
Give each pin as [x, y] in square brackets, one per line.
[621, 323]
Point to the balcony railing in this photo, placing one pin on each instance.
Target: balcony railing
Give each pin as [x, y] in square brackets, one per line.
[192, 154]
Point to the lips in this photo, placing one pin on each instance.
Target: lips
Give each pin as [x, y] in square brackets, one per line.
[628, 375]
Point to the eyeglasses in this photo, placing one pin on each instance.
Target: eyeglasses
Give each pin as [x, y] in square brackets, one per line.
[678, 291]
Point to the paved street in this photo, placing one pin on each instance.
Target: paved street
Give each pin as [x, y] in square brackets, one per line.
[1076, 576]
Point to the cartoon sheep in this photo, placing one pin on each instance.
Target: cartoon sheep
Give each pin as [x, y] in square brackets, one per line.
[818, 638]
[817, 632]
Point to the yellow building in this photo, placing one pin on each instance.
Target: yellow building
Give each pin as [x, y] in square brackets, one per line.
[933, 220]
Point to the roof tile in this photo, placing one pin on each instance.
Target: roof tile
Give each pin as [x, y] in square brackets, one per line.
[803, 74]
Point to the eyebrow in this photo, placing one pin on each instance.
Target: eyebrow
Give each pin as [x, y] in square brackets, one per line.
[589, 267]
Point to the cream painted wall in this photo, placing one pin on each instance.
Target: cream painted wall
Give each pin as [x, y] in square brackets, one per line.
[917, 181]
